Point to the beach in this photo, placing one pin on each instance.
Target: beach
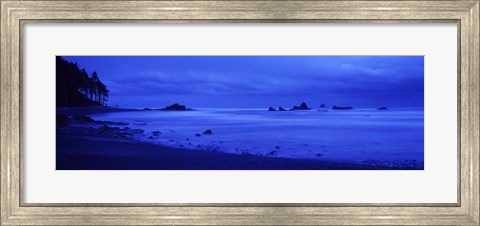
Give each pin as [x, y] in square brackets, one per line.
[83, 152]
[86, 143]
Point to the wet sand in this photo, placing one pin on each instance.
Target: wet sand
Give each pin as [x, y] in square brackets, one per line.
[87, 152]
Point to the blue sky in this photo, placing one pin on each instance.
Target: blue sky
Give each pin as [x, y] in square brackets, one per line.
[259, 81]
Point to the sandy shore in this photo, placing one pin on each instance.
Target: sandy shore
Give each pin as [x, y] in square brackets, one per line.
[97, 146]
[87, 152]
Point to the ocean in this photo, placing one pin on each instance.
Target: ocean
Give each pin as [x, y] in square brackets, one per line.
[366, 136]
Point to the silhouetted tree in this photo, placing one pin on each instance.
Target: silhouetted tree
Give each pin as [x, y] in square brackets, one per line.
[95, 80]
[75, 88]
[102, 91]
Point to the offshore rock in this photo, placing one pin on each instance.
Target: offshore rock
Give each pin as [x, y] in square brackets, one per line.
[176, 107]
[302, 106]
[341, 108]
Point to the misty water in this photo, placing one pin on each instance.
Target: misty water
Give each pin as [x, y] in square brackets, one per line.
[393, 138]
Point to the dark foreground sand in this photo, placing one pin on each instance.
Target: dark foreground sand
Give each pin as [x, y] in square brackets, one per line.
[81, 152]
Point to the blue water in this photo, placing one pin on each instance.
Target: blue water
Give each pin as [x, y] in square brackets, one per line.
[359, 136]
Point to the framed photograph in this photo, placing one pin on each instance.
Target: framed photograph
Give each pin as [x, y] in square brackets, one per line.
[240, 113]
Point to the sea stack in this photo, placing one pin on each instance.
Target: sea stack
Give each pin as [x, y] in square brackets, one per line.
[303, 106]
[383, 109]
[341, 108]
[271, 109]
[176, 107]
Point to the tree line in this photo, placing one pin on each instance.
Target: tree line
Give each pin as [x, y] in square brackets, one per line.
[74, 87]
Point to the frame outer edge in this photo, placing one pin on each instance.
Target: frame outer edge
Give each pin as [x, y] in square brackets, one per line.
[470, 115]
[5, 114]
[14, 163]
[474, 211]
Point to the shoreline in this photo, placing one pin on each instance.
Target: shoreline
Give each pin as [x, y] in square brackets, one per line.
[88, 152]
[100, 145]
[82, 111]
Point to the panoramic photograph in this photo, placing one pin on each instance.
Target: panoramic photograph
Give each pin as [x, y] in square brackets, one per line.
[239, 112]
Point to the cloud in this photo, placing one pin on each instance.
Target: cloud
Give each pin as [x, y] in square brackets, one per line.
[366, 80]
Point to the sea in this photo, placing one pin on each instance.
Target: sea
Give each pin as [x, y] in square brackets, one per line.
[392, 137]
